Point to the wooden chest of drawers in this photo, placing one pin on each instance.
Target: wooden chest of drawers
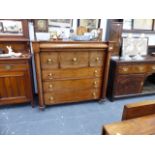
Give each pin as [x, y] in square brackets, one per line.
[127, 77]
[15, 80]
[71, 71]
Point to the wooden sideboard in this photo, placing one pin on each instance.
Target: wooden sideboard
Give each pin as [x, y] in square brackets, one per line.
[71, 71]
[131, 78]
[15, 80]
[16, 86]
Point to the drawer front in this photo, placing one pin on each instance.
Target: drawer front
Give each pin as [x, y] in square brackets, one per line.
[73, 59]
[125, 69]
[97, 58]
[49, 60]
[71, 85]
[57, 74]
[13, 67]
[71, 96]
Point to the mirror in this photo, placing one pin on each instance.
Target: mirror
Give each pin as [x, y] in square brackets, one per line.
[11, 28]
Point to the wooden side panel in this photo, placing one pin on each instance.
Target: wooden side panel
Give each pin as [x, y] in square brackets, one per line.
[138, 109]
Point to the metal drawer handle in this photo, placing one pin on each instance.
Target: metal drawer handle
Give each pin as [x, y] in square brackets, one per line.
[95, 72]
[8, 67]
[125, 69]
[153, 67]
[95, 84]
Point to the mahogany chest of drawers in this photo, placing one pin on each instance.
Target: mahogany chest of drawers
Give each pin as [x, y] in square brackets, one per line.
[71, 71]
[127, 78]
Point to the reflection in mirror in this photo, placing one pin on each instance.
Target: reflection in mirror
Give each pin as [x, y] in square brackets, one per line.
[11, 27]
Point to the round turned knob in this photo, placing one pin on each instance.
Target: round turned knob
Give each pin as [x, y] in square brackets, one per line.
[50, 76]
[94, 94]
[125, 69]
[50, 86]
[97, 59]
[95, 72]
[74, 59]
[110, 48]
[49, 60]
[95, 84]
[51, 98]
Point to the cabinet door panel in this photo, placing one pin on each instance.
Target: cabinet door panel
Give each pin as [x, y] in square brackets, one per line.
[13, 85]
[129, 84]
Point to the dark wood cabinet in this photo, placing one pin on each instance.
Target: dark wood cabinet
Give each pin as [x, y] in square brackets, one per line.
[131, 78]
[114, 33]
[71, 71]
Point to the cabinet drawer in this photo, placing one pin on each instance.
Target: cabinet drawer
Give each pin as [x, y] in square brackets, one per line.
[125, 69]
[97, 58]
[72, 85]
[49, 60]
[73, 59]
[71, 96]
[13, 67]
[71, 73]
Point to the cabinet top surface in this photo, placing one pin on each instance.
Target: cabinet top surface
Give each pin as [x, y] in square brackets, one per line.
[146, 59]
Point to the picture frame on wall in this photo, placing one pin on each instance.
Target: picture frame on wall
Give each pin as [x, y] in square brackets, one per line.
[89, 23]
[41, 25]
[1, 27]
[142, 24]
[132, 46]
[60, 23]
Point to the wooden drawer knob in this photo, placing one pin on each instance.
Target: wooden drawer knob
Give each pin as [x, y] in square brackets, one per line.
[50, 86]
[51, 98]
[49, 61]
[50, 75]
[97, 59]
[74, 59]
[94, 94]
[95, 84]
[96, 72]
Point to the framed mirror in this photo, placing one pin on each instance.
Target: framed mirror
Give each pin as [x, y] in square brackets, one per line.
[11, 28]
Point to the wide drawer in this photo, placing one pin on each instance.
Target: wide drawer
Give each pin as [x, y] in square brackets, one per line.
[49, 60]
[72, 85]
[56, 74]
[97, 58]
[70, 59]
[125, 69]
[13, 67]
[71, 96]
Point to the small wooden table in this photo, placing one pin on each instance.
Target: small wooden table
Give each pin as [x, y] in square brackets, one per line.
[138, 126]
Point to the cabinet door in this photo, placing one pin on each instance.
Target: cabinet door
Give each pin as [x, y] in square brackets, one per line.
[129, 84]
[13, 87]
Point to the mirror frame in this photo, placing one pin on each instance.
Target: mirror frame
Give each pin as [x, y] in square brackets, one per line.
[25, 30]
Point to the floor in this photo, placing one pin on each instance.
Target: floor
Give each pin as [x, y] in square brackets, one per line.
[72, 119]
